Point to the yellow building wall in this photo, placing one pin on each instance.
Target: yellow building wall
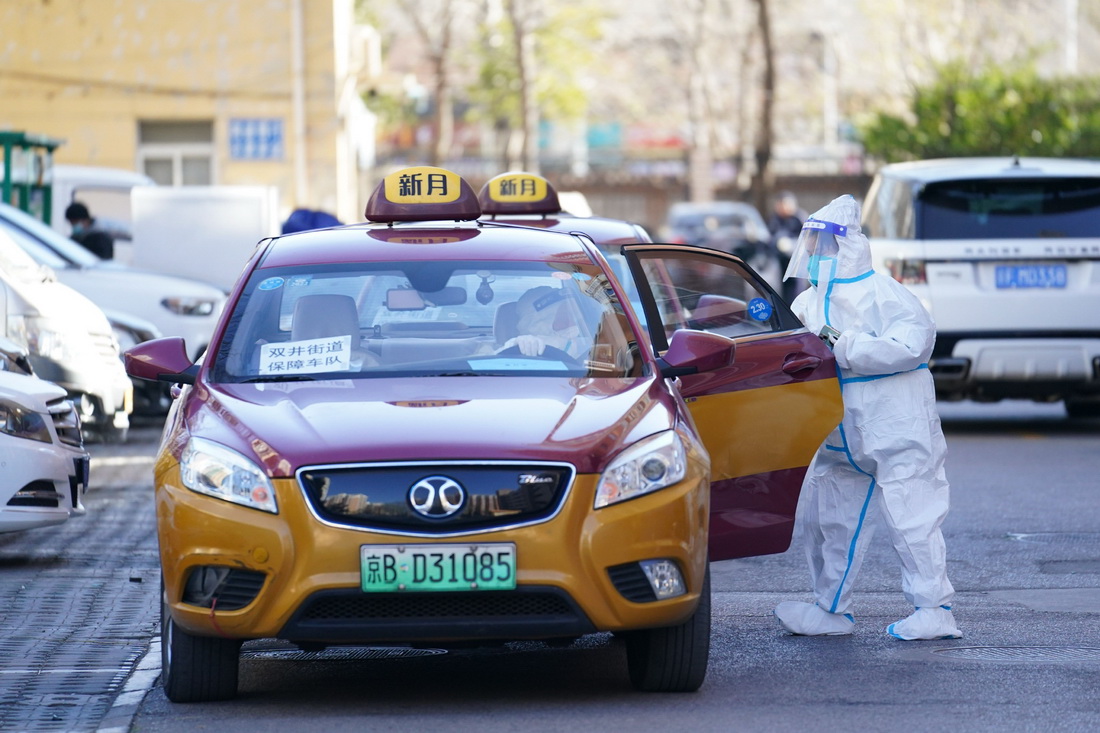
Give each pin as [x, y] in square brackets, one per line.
[88, 71]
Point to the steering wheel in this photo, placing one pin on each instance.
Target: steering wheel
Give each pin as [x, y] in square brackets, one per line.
[548, 352]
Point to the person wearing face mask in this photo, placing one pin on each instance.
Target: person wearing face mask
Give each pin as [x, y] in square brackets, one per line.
[545, 317]
[85, 231]
[886, 458]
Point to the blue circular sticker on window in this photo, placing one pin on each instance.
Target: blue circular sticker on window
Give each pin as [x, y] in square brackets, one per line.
[760, 309]
[271, 283]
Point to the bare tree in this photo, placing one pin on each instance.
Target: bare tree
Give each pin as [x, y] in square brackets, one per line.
[760, 188]
[436, 32]
[523, 15]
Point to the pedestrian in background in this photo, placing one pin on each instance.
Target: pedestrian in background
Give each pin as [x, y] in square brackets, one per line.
[95, 240]
[785, 225]
[887, 455]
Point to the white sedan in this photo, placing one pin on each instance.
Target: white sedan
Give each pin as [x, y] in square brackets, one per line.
[45, 465]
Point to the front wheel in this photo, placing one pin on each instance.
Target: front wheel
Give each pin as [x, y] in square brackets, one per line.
[196, 668]
[672, 659]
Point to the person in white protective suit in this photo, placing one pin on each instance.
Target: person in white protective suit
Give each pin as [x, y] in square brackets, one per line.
[887, 455]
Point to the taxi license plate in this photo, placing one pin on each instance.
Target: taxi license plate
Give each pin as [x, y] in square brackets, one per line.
[1030, 276]
[423, 567]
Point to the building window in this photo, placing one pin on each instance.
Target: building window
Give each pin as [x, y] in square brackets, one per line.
[177, 153]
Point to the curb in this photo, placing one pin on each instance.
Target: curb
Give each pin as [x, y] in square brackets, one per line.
[120, 717]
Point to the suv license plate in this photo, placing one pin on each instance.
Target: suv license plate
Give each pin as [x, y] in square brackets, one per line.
[1030, 276]
[423, 567]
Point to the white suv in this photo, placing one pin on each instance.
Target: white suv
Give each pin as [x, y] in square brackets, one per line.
[1005, 254]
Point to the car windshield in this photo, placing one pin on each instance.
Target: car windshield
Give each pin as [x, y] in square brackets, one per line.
[1009, 209]
[427, 318]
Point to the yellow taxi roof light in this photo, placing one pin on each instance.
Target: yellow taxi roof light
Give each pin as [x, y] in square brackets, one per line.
[517, 192]
[423, 193]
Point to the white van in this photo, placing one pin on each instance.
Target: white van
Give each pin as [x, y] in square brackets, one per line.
[1005, 254]
[69, 340]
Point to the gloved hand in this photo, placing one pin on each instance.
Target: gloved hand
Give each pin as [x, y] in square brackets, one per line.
[829, 335]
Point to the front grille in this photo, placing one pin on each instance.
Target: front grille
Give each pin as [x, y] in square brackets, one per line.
[631, 582]
[436, 606]
[66, 421]
[436, 498]
[351, 615]
[105, 345]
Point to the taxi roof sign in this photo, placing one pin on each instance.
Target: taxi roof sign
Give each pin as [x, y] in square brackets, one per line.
[517, 192]
[423, 193]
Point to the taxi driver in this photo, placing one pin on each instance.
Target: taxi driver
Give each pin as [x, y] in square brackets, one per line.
[546, 317]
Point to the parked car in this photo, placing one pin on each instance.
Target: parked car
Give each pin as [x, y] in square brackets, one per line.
[45, 464]
[1003, 253]
[731, 226]
[68, 339]
[176, 306]
[432, 430]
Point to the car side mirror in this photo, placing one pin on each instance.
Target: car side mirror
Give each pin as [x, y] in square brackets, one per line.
[163, 359]
[716, 311]
[691, 352]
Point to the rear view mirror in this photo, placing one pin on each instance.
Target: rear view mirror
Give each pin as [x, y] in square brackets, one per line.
[404, 299]
[452, 295]
[407, 299]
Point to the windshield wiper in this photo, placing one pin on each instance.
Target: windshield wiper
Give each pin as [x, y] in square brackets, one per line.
[280, 378]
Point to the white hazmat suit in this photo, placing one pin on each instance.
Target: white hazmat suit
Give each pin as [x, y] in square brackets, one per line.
[887, 455]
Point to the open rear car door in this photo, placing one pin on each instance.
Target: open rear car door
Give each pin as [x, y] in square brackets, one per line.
[763, 416]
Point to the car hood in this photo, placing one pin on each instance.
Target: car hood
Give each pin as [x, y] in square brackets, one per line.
[29, 391]
[61, 303]
[285, 426]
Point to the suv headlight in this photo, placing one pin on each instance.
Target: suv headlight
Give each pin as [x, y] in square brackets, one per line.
[648, 465]
[183, 306]
[20, 422]
[217, 471]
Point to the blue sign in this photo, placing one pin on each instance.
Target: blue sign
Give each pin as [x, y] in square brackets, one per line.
[760, 309]
[256, 139]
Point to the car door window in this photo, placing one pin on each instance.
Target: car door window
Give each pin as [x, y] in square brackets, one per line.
[707, 291]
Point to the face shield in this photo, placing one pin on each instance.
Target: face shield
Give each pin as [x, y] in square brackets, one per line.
[815, 255]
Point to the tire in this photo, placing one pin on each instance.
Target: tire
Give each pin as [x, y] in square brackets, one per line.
[672, 659]
[196, 668]
[1083, 408]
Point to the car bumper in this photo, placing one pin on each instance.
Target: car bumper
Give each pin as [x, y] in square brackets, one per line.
[1036, 368]
[308, 574]
[44, 483]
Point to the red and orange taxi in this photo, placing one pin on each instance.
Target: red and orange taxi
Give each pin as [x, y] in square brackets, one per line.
[434, 428]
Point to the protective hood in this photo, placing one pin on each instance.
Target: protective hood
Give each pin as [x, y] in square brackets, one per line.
[831, 245]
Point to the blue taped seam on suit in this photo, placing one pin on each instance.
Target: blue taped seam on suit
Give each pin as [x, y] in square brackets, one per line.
[862, 517]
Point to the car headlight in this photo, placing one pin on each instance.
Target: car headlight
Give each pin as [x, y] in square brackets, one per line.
[217, 471]
[55, 341]
[20, 422]
[646, 466]
[183, 306]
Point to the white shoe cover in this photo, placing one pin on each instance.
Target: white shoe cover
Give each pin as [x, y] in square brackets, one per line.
[925, 624]
[809, 619]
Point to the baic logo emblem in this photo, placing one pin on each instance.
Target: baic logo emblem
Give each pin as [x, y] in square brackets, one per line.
[437, 497]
